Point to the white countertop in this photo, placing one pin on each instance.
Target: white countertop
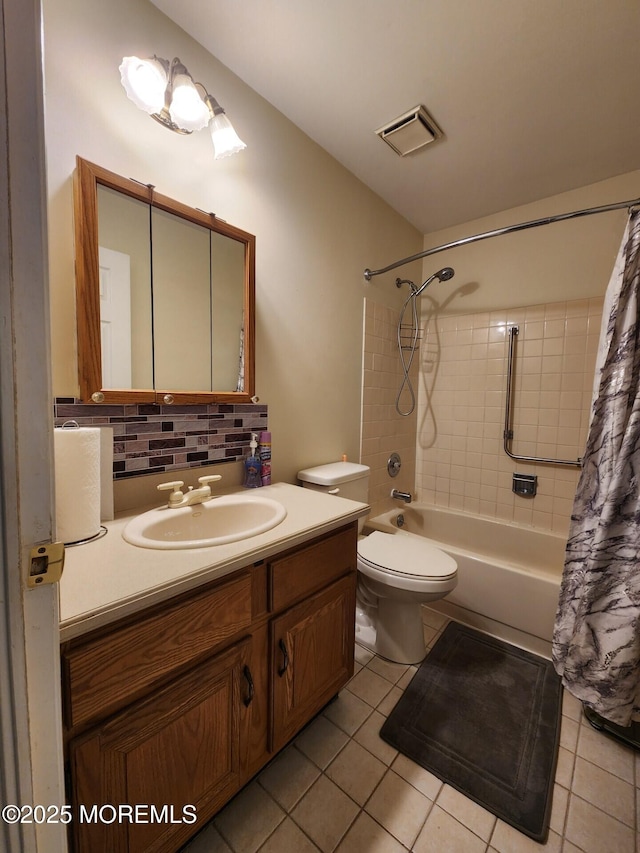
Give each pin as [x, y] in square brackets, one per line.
[108, 578]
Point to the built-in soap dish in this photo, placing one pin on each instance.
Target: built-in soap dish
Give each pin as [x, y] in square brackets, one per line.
[525, 485]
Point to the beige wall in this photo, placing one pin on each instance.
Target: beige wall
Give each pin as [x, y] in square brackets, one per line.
[316, 226]
[565, 260]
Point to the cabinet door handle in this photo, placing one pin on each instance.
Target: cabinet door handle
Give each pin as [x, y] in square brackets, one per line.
[249, 698]
[285, 655]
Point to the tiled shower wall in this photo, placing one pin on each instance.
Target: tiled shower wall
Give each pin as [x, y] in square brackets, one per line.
[456, 435]
[460, 462]
[150, 439]
[383, 430]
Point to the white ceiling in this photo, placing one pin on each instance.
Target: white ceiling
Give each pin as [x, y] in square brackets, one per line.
[535, 97]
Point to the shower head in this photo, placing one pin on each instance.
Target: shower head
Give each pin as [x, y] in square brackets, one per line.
[444, 274]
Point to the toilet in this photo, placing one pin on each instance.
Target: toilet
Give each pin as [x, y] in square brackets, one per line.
[397, 572]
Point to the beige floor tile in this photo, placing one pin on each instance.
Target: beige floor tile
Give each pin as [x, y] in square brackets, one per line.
[443, 834]
[406, 679]
[568, 847]
[506, 839]
[325, 813]
[422, 779]
[362, 655]
[430, 635]
[559, 805]
[600, 749]
[368, 735]
[207, 841]
[248, 835]
[569, 733]
[399, 807]
[393, 672]
[367, 836]
[467, 812]
[606, 791]
[434, 619]
[289, 777]
[356, 771]
[369, 686]
[571, 707]
[594, 831]
[564, 768]
[390, 701]
[348, 711]
[321, 741]
[288, 838]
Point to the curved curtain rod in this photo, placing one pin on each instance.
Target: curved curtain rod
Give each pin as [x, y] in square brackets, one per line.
[368, 274]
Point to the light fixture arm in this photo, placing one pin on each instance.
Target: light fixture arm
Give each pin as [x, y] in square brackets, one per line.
[213, 105]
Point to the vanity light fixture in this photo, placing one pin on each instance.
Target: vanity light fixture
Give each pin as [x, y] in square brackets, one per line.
[170, 95]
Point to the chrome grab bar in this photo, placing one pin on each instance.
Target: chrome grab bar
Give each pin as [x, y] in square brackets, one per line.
[508, 430]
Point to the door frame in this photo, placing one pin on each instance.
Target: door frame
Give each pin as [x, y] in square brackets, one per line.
[30, 713]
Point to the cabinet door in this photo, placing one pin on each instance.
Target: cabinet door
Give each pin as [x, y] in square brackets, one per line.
[174, 755]
[312, 656]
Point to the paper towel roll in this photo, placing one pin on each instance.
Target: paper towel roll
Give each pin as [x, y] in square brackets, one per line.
[77, 477]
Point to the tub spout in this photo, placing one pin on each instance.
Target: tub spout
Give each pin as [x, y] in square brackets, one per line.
[401, 496]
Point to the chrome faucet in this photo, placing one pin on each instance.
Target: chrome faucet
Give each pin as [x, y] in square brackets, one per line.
[401, 496]
[177, 498]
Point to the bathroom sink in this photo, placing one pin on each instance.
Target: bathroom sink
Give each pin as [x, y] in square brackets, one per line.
[217, 521]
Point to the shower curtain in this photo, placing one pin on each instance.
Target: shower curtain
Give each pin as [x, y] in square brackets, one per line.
[596, 643]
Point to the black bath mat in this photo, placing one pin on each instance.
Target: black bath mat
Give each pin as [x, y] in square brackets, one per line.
[484, 716]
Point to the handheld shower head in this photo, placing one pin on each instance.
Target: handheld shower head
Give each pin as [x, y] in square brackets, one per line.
[444, 274]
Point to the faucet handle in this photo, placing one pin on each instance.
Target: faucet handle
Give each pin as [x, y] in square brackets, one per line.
[209, 478]
[175, 486]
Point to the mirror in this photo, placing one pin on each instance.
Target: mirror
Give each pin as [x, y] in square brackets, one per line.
[165, 297]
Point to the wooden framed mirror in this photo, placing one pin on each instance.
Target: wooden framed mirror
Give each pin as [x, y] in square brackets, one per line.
[165, 297]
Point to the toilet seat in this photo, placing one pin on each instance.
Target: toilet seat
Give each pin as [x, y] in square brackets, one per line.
[405, 555]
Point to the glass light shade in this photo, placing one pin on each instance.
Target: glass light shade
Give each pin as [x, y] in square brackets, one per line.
[187, 109]
[145, 81]
[225, 140]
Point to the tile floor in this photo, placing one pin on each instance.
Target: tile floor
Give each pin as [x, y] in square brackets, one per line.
[338, 786]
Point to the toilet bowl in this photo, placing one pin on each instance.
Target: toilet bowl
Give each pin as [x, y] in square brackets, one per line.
[397, 572]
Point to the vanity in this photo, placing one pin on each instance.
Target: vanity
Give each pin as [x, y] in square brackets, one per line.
[186, 671]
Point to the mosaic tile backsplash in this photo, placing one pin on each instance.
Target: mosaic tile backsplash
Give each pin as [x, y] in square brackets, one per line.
[150, 439]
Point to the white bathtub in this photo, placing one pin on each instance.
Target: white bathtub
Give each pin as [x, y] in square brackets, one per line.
[508, 576]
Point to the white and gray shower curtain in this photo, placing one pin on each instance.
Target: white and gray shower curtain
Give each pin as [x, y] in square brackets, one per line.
[596, 644]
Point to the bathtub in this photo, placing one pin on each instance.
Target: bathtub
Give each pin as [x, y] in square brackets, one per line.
[508, 576]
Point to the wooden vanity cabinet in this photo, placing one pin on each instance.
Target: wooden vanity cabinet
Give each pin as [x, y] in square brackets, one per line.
[178, 750]
[175, 709]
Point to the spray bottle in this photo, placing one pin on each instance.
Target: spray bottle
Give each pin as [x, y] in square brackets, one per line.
[265, 457]
[252, 465]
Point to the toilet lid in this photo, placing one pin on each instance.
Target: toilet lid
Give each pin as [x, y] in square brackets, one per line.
[407, 555]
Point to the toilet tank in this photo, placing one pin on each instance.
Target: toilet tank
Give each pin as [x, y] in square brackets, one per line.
[346, 479]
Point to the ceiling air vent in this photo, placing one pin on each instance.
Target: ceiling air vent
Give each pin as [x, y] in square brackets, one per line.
[410, 131]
